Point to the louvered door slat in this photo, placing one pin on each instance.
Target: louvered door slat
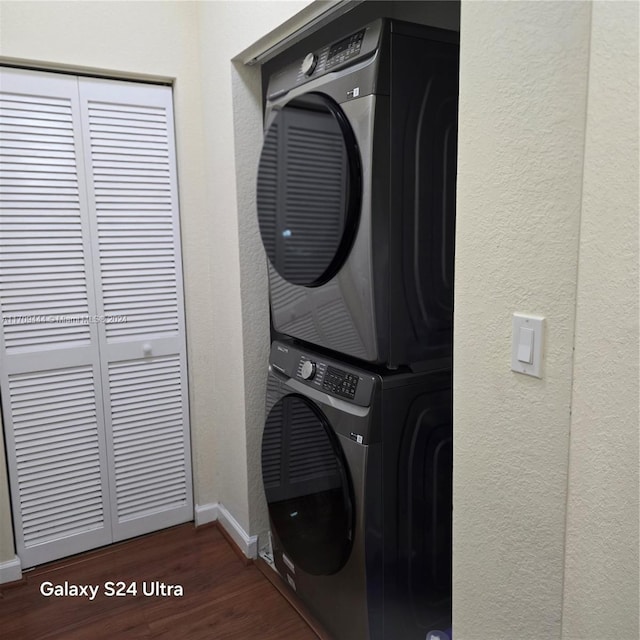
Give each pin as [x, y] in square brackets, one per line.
[140, 444]
[136, 429]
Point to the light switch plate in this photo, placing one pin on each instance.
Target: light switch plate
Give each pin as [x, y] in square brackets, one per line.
[521, 337]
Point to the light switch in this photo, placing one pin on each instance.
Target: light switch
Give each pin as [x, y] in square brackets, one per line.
[525, 346]
[527, 342]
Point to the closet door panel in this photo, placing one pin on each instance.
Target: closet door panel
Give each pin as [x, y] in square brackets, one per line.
[133, 197]
[50, 378]
[58, 461]
[43, 232]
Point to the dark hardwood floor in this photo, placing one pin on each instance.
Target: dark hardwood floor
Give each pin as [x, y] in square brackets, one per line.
[224, 598]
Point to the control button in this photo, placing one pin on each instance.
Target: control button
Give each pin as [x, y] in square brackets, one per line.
[309, 64]
[308, 370]
[340, 382]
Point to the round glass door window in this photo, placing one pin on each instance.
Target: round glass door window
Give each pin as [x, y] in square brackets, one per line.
[309, 190]
[307, 486]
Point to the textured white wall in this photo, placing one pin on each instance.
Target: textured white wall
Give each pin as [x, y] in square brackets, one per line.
[253, 281]
[602, 564]
[523, 84]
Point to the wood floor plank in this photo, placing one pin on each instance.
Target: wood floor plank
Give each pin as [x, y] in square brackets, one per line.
[224, 599]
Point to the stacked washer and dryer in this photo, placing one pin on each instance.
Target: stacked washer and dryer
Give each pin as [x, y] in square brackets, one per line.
[356, 207]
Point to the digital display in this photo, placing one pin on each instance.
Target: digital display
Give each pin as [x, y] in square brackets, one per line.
[345, 49]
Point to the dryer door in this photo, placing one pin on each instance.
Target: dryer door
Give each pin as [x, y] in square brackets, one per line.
[309, 189]
[307, 485]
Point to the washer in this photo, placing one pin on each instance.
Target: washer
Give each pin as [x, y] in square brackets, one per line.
[356, 194]
[356, 470]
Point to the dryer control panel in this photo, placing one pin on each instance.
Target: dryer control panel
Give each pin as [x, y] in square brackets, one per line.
[356, 47]
[325, 375]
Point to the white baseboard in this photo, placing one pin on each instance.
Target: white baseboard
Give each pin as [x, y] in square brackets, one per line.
[205, 513]
[10, 571]
[216, 511]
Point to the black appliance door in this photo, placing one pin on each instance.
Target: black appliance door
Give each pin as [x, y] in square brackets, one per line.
[309, 189]
[307, 485]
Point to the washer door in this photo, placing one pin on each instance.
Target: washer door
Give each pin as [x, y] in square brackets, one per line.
[307, 485]
[309, 190]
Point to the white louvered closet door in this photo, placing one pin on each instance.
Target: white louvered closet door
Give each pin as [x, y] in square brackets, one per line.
[50, 376]
[95, 413]
[130, 152]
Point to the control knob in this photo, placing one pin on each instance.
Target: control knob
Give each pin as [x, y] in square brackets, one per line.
[309, 64]
[308, 370]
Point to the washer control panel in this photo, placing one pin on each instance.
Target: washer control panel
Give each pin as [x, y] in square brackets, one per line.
[322, 374]
[330, 378]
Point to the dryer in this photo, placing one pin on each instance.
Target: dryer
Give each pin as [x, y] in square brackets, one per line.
[356, 470]
[356, 194]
